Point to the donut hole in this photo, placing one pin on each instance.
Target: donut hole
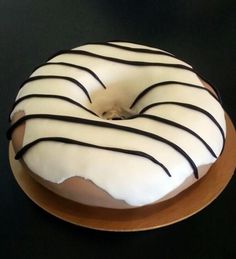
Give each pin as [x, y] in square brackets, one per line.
[116, 113]
[112, 104]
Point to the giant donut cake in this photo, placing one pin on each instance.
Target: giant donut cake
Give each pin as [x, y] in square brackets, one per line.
[117, 125]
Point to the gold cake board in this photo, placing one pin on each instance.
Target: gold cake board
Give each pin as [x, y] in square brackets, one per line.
[187, 203]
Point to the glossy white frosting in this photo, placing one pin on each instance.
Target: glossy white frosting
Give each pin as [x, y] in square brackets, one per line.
[131, 178]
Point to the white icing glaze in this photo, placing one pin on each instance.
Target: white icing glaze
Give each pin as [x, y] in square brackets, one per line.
[131, 178]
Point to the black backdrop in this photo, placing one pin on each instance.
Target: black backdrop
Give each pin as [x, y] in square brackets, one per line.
[201, 32]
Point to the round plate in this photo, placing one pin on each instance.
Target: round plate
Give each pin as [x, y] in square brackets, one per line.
[187, 203]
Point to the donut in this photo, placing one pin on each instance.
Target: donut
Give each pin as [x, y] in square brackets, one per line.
[117, 125]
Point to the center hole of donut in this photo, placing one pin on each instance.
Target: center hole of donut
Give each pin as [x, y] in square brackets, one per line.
[116, 113]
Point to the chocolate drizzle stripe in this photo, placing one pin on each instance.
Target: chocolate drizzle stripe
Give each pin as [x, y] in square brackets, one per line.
[135, 43]
[75, 142]
[122, 61]
[152, 117]
[138, 50]
[72, 80]
[64, 98]
[134, 63]
[192, 107]
[166, 83]
[176, 125]
[106, 125]
[74, 66]
[171, 55]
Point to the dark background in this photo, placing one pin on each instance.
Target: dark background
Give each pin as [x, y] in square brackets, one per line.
[201, 32]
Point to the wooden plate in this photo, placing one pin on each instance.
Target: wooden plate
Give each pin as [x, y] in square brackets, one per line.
[189, 202]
